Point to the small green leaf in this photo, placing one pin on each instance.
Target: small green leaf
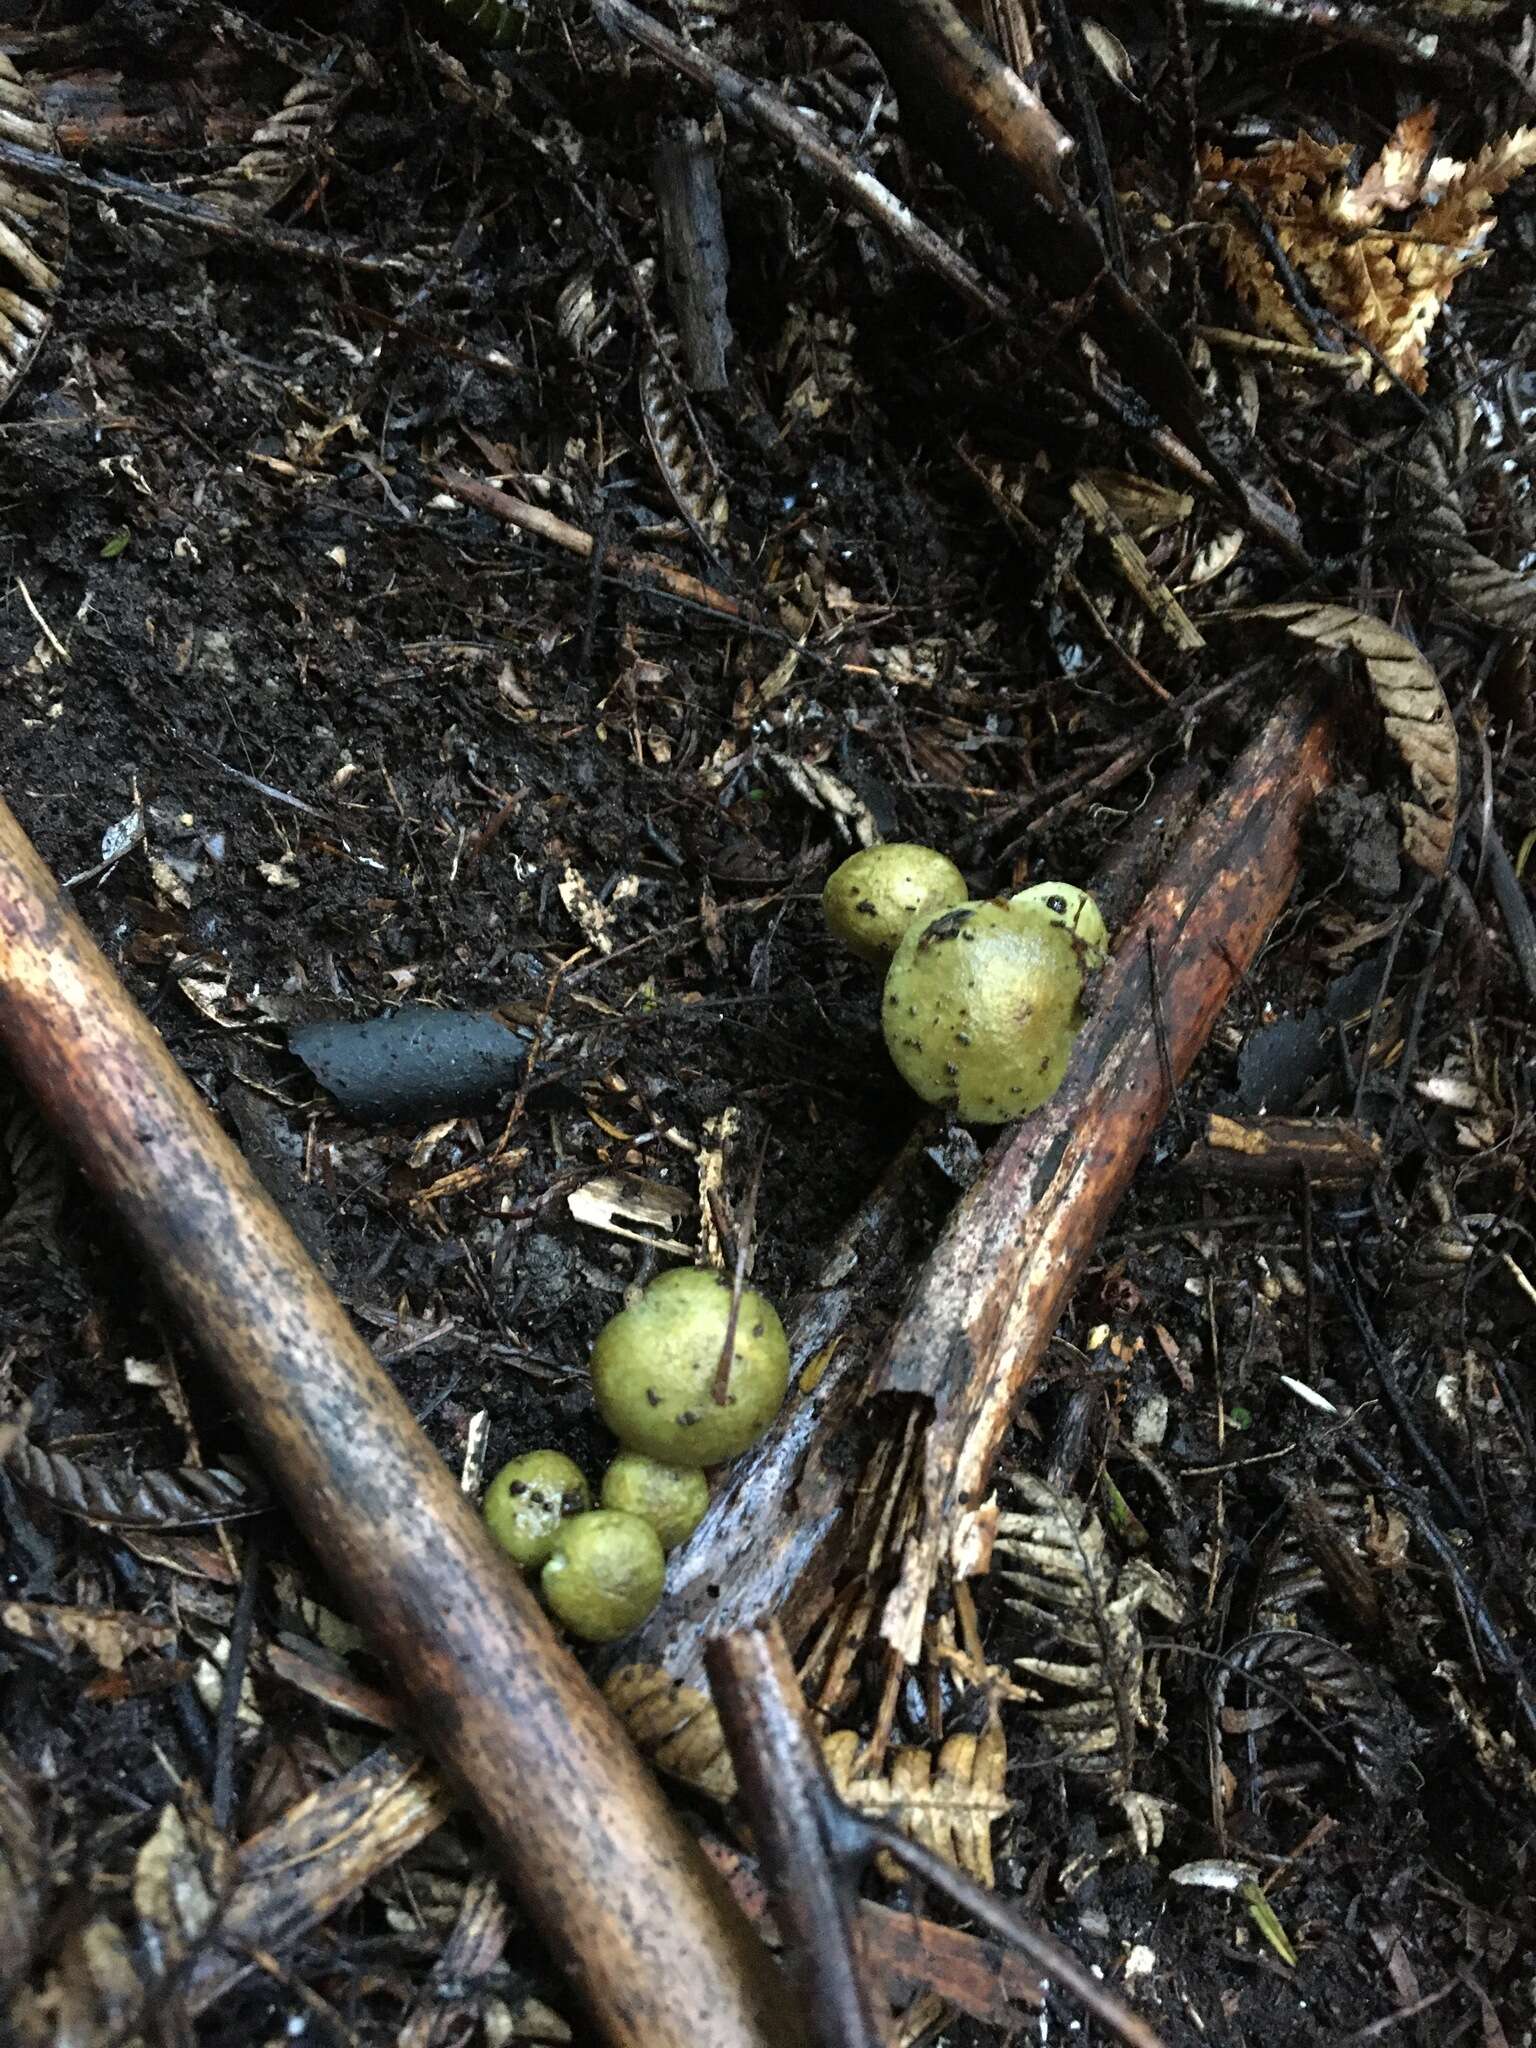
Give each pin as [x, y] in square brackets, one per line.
[115, 545]
[1239, 1417]
[1264, 1917]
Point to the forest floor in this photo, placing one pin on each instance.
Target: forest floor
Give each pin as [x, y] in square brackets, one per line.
[310, 737]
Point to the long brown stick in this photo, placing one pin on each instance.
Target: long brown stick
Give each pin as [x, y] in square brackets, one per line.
[620, 1892]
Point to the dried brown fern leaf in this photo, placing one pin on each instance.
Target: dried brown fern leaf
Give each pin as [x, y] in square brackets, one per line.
[34, 236]
[282, 149]
[674, 1727]
[1502, 598]
[682, 461]
[177, 1497]
[1415, 715]
[22, 1882]
[949, 1804]
[1084, 1607]
[31, 1175]
[1310, 1687]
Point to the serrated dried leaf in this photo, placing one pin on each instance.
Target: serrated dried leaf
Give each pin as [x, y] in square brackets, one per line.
[31, 1174]
[1415, 714]
[684, 464]
[282, 148]
[1388, 284]
[1085, 1608]
[178, 1497]
[949, 1804]
[22, 1886]
[675, 1727]
[107, 1635]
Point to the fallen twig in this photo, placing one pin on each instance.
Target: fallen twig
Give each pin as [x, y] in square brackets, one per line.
[204, 219]
[620, 1892]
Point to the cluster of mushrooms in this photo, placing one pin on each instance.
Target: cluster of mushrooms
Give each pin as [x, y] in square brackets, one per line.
[982, 1000]
[683, 1383]
[981, 1005]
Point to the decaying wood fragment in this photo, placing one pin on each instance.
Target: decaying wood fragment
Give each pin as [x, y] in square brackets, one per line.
[1271, 1151]
[618, 1889]
[985, 1307]
[694, 246]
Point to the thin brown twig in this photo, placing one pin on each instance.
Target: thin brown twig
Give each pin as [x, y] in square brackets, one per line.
[250, 228]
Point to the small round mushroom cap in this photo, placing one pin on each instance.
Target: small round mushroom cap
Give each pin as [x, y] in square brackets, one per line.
[656, 1370]
[1074, 908]
[670, 1497]
[527, 1501]
[872, 898]
[981, 1006]
[604, 1575]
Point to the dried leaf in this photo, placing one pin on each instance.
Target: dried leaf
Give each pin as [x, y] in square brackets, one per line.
[109, 1636]
[283, 148]
[22, 1888]
[178, 1497]
[31, 1174]
[685, 465]
[1086, 1608]
[180, 1878]
[676, 1728]
[1307, 1676]
[949, 1806]
[602, 1201]
[1415, 714]
[1389, 285]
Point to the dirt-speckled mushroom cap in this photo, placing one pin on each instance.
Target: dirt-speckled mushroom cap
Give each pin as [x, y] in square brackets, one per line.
[872, 898]
[981, 1006]
[527, 1501]
[1074, 908]
[655, 1370]
[604, 1575]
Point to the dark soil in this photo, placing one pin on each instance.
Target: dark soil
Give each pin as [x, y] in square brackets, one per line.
[378, 748]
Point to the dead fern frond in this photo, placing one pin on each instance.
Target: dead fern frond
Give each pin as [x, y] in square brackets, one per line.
[1415, 715]
[1084, 1609]
[948, 1804]
[1387, 284]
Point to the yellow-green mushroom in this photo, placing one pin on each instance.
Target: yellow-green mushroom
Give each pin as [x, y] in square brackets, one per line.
[670, 1497]
[875, 895]
[604, 1575]
[661, 1380]
[528, 1500]
[981, 1004]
